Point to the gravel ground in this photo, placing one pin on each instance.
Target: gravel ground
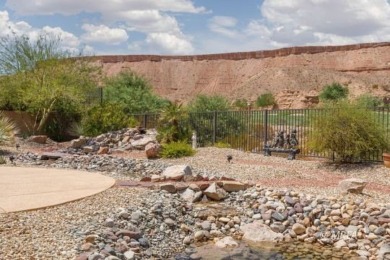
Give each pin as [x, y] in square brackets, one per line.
[57, 232]
[315, 177]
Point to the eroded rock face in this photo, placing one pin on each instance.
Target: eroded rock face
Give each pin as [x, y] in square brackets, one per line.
[302, 70]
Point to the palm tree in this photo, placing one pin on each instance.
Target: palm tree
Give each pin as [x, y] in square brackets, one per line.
[171, 123]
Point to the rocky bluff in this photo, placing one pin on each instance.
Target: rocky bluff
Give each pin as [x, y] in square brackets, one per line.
[294, 75]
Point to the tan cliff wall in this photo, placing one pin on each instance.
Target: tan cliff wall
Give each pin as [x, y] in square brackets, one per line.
[295, 75]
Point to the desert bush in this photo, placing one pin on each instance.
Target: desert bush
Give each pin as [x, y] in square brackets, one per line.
[241, 104]
[369, 101]
[203, 103]
[349, 130]
[2, 160]
[105, 118]
[176, 150]
[265, 100]
[133, 93]
[333, 92]
[7, 128]
[173, 124]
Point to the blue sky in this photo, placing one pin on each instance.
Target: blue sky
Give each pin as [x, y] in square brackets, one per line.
[182, 27]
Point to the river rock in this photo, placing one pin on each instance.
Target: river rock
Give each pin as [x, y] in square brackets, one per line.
[257, 232]
[215, 193]
[352, 185]
[384, 251]
[78, 143]
[141, 143]
[298, 228]
[226, 242]
[169, 187]
[177, 172]
[152, 150]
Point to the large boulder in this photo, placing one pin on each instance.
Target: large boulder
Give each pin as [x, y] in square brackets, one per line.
[257, 232]
[152, 150]
[215, 193]
[177, 172]
[352, 185]
[140, 144]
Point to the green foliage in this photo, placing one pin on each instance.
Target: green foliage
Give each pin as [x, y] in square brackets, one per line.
[369, 101]
[241, 104]
[41, 78]
[221, 144]
[172, 125]
[20, 53]
[203, 103]
[7, 128]
[132, 92]
[349, 130]
[105, 118]
[333, 92]
[265, 100]
[177, 150]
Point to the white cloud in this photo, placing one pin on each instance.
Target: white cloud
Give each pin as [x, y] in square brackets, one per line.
[69, 7]
[326, 21]
[168, 43]
[103, 34]
[68, 40]
[224, 25]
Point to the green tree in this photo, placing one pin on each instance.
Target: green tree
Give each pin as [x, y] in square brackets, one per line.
[133, 93]
[42, 78]
[333, 92]
[265, 100]
[241, 103]
[349, 130]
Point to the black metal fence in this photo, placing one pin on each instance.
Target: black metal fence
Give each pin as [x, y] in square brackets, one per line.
[252, 130]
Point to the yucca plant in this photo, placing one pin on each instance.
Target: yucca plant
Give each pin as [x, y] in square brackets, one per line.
[7, 128]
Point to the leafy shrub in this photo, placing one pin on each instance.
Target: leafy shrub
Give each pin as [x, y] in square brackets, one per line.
[176, 150]
[203, 103]
[369, 101]
[105, 118]
[349, 130]
[265, 100]
[241, 104]
[333, 92]
[133, 93]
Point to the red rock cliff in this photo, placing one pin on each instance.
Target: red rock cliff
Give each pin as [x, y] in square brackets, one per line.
[295, 75]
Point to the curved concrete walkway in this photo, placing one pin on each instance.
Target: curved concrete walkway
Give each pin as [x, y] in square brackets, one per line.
[34, 188]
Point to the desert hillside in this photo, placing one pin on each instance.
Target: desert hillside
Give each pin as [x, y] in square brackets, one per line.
[294, 75]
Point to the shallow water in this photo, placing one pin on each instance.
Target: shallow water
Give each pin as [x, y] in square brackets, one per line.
[286, 251]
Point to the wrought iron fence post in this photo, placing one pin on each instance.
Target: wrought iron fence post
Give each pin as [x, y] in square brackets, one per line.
[265, 128]
[145, 120]
[214, 127]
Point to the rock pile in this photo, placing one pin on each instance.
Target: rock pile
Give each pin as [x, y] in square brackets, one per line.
[167, 224]
[122, 140]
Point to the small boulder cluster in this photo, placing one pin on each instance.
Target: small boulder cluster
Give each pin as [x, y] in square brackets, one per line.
[122, 140]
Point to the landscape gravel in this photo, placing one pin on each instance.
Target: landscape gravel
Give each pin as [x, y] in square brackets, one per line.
[65, 231]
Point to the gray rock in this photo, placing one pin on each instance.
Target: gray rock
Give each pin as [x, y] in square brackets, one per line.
[257, 232]
[352, 185]
[129, 255]
[177, 172]
[215, 193]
